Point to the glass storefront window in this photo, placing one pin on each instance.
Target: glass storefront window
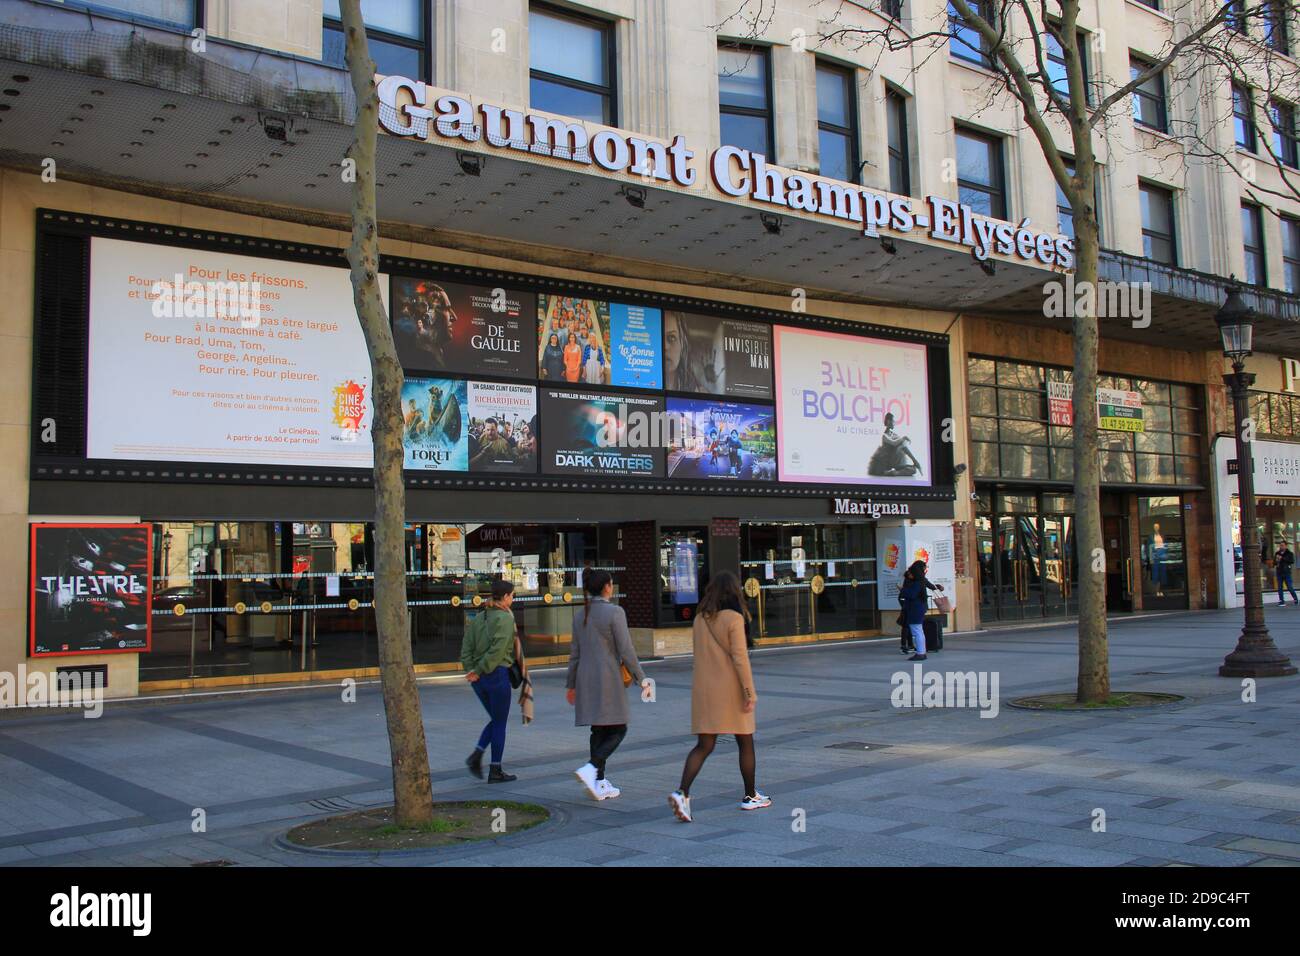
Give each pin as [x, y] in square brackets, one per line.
[1279, 521]
[1009, 425]
[1162, 552]
[784, 558]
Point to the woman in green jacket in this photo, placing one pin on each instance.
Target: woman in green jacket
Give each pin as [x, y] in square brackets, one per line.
[486, 653]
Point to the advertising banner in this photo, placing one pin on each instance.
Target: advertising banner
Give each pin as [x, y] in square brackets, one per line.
[502, 427]
[724, 440]
[435, 432]
[715, 356]
[175, 373]
[449, 327]
[90, 589]
[1060, 403]
[590, 434]
[1119, 411]
[851, 409]
[573, 340]
[635, 334]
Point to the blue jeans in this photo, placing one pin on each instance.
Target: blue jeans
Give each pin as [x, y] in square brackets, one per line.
[493, 691]
[918, 637]
[1284, 577]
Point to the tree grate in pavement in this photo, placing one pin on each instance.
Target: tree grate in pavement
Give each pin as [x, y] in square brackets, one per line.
[857, 745]
[336, 804]
[214, 863]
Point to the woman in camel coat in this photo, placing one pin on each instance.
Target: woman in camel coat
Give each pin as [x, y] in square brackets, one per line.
[723, 697]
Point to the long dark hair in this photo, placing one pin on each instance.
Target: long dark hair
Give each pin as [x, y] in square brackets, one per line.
[916, 571]
[720, 594]
[593, 582]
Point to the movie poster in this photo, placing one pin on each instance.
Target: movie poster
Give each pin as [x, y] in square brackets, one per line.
[715, 356]
[449, 327]
[851, 409]
[435, 426]
[636, 332]
[723, 440]
[502, 427]
[90, 588]
[573, 339]
[592, 434]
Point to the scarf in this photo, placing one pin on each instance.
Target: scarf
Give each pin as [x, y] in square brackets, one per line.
[526, 686]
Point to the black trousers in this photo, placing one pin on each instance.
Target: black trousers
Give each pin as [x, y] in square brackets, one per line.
[604, 741]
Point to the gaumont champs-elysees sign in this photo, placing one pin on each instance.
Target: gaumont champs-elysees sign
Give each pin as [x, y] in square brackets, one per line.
[412, 109]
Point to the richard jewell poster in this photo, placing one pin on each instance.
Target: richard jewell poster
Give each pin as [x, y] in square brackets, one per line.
[851, 409]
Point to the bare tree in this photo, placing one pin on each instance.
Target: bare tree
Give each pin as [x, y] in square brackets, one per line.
[412, 790]
[1012, 39]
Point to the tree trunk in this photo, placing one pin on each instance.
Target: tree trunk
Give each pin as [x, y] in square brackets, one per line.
[412, 790]
[1094, 655]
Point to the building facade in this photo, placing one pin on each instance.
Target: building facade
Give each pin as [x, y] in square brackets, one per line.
[657, 278]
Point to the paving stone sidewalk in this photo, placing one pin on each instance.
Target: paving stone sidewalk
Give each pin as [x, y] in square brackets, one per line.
[1212, 781]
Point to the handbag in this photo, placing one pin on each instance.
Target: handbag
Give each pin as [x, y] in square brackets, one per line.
[943, 604]
[623, 672]
[516, 669]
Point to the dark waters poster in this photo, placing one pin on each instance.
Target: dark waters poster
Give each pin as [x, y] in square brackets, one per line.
[585, 433]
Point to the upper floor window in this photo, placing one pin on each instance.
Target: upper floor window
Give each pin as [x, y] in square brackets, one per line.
[1149, 98]
[965, 42]
[571, 61]
[1056, 70]
[1064, 211]
[900, 154]
[1236, 18]
[1291, 253]
[745, 98]
[172, 13]
[837, 136]
[981, 180]
[1285, 146]
[1275, 31]
[1153, 4]
[892, 9]
[397, 32]
[1252, 242]
[1243, 117]
[1158, 243]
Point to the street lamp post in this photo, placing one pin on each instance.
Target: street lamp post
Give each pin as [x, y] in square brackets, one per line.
[1255, 655]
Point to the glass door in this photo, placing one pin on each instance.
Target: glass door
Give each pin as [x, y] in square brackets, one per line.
[1164, 563]
[1060, 569]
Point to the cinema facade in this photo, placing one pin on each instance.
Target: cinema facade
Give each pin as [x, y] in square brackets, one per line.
[860, 379]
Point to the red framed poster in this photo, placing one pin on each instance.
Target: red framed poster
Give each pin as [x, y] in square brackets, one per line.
[90, 589]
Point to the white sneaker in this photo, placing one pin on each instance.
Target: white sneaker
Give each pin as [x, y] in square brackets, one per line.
[758, 801]
[681, 805]
[607, 790]
[587, 775]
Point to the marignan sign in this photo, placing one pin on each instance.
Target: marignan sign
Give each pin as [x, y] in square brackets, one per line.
[869, 508]
[414, 109]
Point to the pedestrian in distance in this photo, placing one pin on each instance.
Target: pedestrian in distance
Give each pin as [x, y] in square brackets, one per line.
[487, 652]
[723, 698]
[599, 655]
[913, 598]
[1283, 564]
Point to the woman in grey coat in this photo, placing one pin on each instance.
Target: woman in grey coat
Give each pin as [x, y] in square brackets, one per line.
[601, 647]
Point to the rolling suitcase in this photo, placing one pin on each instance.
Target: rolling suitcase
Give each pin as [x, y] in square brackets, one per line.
[933, 627]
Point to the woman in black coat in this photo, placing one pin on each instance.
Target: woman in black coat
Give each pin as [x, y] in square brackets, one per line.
[913, 599]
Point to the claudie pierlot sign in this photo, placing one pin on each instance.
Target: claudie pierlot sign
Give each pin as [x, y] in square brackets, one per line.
[412, 109]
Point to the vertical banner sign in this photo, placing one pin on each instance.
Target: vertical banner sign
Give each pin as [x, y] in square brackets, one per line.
[90, 589]
[851, 409]
[1060, 403]
[684, 581]
[1119, 411]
